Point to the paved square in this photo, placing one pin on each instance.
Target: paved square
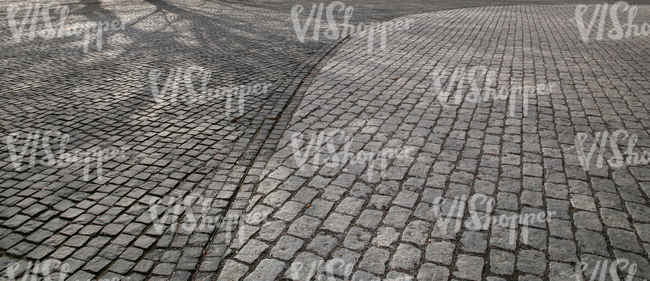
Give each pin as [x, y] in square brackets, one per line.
[487, 141]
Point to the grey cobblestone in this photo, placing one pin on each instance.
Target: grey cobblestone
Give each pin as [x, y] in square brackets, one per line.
[406, 257]
[337, 222]
[323, 244]
[469, 267]
[286, 247]
[374, 260]
[251, 251]
[304, 226]
[502, 262]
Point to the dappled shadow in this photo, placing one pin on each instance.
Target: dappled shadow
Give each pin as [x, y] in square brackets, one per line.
[239, 44]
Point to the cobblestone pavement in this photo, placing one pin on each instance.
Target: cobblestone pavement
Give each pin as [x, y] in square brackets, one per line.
[315, 214]
[157, 212]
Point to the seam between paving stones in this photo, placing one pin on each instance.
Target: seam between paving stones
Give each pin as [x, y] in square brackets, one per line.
[308, 73]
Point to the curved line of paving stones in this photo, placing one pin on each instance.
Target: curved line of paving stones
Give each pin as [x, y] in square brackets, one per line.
[221, 237]
[312, 214]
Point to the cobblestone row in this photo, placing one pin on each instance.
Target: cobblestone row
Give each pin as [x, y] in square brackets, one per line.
[316, 215]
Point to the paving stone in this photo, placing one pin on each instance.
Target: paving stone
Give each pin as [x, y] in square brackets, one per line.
[85, 253]
[303, 266]
[625, 240]
[587, 220]
[323, 244]
[349, 258]
[40, 252]
[356, 238]
[560, 228]
[305, 195]
[363, 276]
[469, 267]
[374, 260]
[397, 217]
[406, 199]
[271, 230]
[268, 269]
[232, 271]
[638, 212]
[530, 261]
[333, 193]
[144, 266]
[614, 218]
[474, 242]
[251, 251]
[502, 262]
[304, 226]
[360, 190]
[562, 250]
[556, 190]
[609, 200]
[440, 252]
[561, 271]
[532, 198]
[386, 236]
[123, 266]
[406, 257]
[507, 201]
[643, 230]
[289, 211]
[337, 222]
[164, 269]
[416, 232]
[286, 247]
[275, 199]
[319, 208]
[583, 202]
[394, 275]
[350, 206]
[432, 272]
[370, 219]
[591, 242]
[379, 202]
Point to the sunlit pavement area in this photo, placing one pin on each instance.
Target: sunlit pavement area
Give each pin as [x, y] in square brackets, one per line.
[256, 187]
